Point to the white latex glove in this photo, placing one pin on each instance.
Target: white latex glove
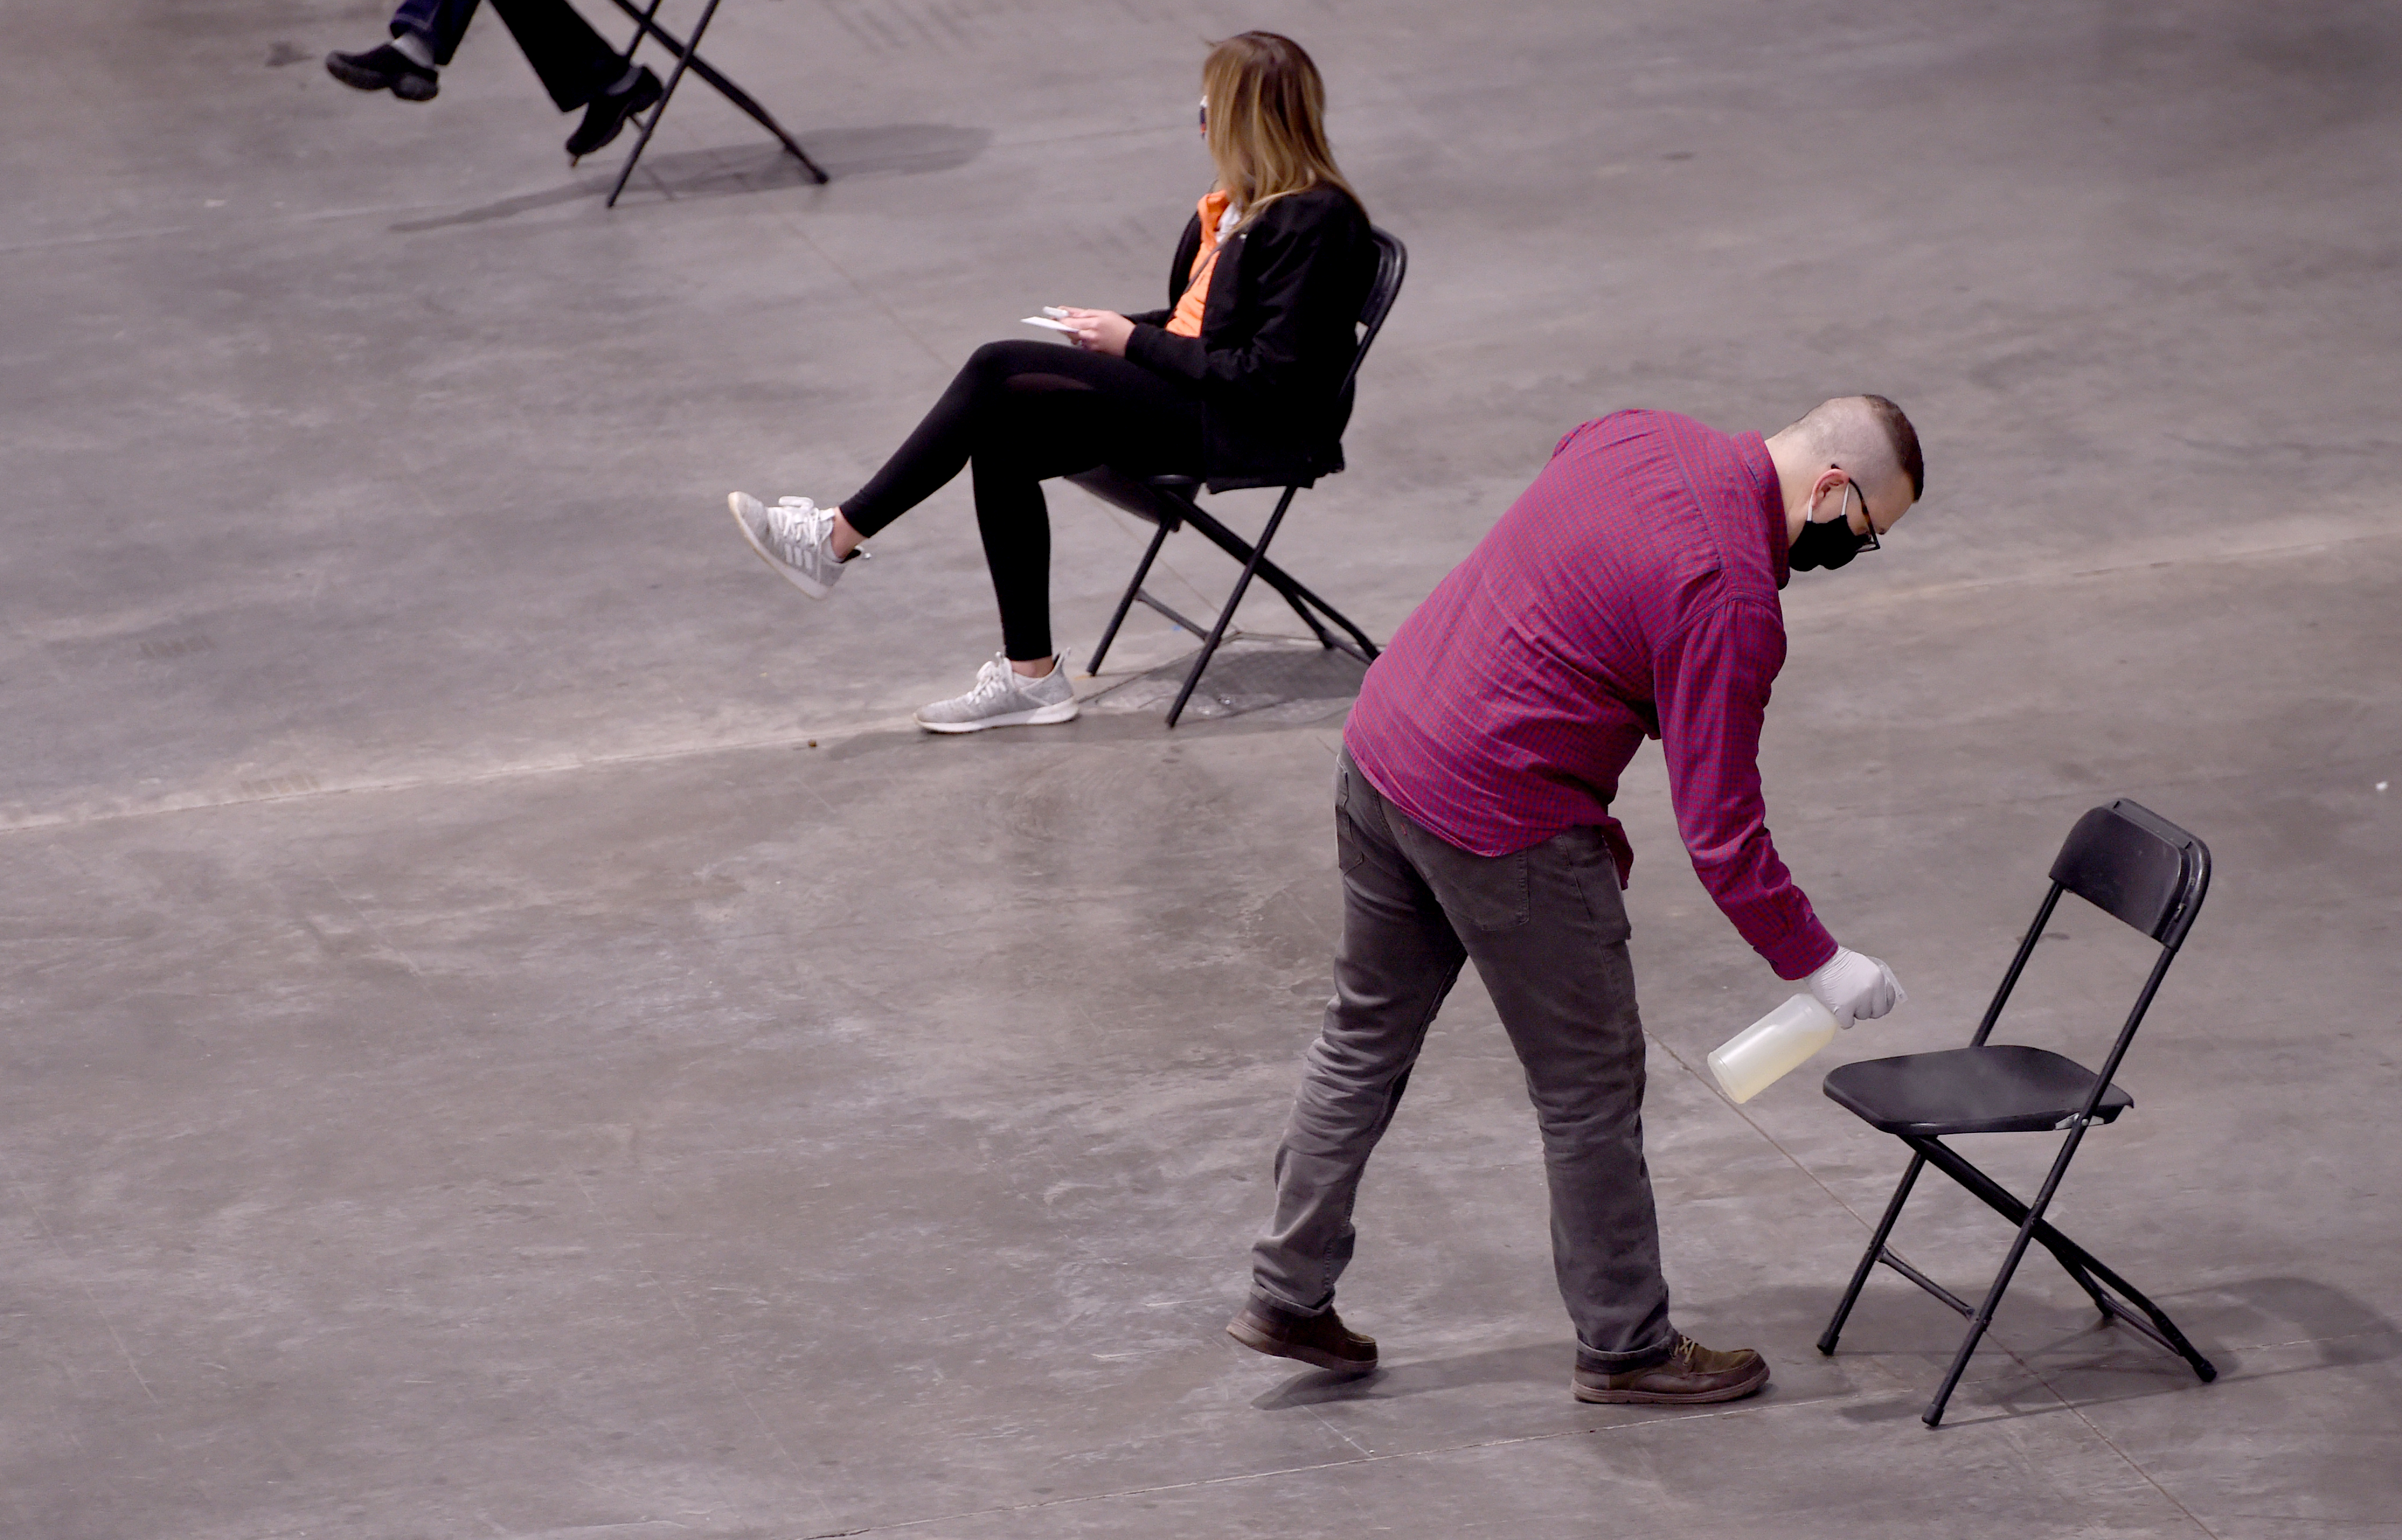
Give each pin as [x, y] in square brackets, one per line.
[1854, 985]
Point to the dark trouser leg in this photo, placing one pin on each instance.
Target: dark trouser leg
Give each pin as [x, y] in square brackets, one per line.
[1024, 412]
[574, 62]
[440, 22]
[1397, 960]
[1547, 929]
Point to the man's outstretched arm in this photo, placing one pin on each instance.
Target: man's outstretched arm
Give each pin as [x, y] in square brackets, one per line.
[1712, 689]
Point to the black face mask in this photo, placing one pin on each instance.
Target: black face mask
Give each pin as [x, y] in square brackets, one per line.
[1830, 544]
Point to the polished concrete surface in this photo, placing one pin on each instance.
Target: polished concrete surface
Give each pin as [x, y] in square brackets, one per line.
[510, 1033]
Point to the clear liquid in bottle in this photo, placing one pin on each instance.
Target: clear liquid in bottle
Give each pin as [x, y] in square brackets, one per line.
[1765, 1051]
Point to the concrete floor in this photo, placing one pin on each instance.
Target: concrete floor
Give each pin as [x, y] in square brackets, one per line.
[508, 1032]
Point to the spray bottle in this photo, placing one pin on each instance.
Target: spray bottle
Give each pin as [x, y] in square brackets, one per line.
[1764, 1053]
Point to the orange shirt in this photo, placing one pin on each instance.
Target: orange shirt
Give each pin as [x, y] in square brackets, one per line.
[1186, 322]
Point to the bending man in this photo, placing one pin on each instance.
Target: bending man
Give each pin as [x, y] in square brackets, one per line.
[1630, 592]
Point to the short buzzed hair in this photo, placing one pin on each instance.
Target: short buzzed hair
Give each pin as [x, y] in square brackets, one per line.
[1904, 439]
[1871, 431]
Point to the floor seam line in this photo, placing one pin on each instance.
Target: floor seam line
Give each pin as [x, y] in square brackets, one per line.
[885, 724]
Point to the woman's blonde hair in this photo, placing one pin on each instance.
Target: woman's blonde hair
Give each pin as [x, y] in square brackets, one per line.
[1267, 120]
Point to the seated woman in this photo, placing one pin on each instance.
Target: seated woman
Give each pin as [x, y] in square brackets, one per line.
[1233, 383]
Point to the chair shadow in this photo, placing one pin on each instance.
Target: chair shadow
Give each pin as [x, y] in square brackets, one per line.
[890, 149]
[1284, 681]
[2270, 1312]
[1535, 1363]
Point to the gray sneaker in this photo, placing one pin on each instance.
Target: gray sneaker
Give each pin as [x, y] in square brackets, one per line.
[1003, 697]
[794, 537]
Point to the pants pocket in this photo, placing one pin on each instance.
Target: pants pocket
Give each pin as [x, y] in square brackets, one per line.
[1494, 897]
[1592, 870]
[1348, 852]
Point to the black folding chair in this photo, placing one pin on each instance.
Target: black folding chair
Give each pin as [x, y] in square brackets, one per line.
[1169, 502]
[687, 55]
[2130, 862]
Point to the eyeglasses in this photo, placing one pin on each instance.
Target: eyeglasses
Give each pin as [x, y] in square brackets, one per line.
[1868, 541]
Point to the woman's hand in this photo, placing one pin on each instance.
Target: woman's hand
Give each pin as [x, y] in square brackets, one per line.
[1099, 331]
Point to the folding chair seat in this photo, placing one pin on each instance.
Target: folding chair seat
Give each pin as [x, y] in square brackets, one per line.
[1171, 502]
[2002, 1088]
[2136, 866]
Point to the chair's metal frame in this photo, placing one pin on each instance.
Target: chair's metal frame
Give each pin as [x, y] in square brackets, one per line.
[1169, 502]
[1927, 1149]
[687, 55]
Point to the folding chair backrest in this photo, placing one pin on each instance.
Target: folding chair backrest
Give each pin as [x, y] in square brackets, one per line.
[2129, 861]
[1392, 262]
[2135, 865]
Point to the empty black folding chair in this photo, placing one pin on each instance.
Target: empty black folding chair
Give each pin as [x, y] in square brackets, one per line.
[2130, 862]
[687, 55]
[1169, 501]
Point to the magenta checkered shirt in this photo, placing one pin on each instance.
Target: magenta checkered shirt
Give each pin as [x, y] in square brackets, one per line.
[1630, 592]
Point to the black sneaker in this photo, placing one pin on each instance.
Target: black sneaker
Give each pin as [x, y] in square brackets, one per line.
[606, 116]
[384, 67]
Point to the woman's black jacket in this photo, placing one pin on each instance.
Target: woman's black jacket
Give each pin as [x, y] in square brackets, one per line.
[1276, 335]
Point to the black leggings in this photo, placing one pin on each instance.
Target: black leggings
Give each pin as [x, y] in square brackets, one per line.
[1024, 411]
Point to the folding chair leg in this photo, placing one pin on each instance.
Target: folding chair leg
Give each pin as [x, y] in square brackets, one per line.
[675, 77]
[1307, 619]
[1134, 589]
[689, 54]
[1977, 1323]
[2080, 1263]
[1234, 601]
[1283, 582]
[1869, 1258]
[646, 25]
[2027, 1228]
[1367, 650]
[1304, 602]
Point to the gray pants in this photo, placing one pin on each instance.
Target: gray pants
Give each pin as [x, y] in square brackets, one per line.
[1547, 929]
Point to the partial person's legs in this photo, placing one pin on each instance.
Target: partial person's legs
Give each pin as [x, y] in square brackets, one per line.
[424, 35]
[1040, 424]
[1548, 931]
[576, 66]
[1547, 928]
[1162, 423]
[574, 62]
[1023, 412]
[438, 23]
[1397, 960]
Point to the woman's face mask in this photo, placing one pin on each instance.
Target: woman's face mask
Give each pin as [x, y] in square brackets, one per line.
[1833, 543]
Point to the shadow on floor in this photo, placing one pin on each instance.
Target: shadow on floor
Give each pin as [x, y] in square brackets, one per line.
[1285, 683]
[891, 149]
[2100, 1362]
[1534, 1363]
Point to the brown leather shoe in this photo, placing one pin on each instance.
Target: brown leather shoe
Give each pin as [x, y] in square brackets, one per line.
[1322, 1341]
[1690, 1373]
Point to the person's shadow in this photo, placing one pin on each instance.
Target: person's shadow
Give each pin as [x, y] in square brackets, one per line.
[890, 149]
[1538, 1363]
